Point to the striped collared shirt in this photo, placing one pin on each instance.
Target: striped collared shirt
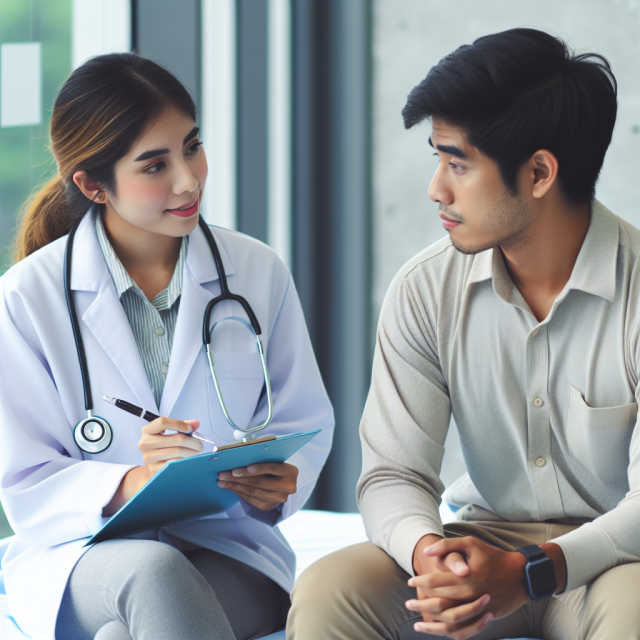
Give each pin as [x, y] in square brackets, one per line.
[153, 323]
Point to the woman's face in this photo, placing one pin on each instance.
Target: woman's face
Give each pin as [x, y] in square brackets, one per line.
[159, 183]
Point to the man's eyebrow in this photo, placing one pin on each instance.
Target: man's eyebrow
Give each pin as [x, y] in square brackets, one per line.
[451, 150]
[158, 152]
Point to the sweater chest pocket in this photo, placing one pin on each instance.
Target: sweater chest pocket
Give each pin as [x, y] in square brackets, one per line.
[600, 437]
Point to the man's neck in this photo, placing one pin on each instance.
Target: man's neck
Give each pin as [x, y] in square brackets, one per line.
[541, 265]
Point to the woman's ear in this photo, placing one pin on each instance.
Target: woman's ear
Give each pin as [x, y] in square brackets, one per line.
[90, 189]
[543, 171]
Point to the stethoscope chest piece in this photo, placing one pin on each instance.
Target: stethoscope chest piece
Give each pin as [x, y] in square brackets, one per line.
[93, 434]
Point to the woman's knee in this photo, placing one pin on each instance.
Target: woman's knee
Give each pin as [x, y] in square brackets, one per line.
[114, 630]
[125, 562]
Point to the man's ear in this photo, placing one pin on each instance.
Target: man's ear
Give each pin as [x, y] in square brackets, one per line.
[90, 188]
[542, 172]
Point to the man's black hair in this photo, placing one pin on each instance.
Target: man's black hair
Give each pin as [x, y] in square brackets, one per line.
[519, 91]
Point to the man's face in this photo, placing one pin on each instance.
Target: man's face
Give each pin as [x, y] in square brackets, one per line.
[476, 208]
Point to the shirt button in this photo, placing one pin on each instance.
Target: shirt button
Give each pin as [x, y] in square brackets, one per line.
[159, 331]
[538, 402]
[165, 367]
[540, 462]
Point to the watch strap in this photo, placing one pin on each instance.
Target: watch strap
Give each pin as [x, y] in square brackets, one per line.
[532, 552]
[539, 573]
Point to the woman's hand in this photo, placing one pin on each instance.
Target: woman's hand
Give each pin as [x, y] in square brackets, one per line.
[157, 449]
[263, 486]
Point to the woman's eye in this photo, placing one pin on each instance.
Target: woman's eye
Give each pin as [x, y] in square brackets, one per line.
[194, 148]
[154, 168]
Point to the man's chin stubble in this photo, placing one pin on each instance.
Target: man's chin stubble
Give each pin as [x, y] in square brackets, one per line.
[509, 243]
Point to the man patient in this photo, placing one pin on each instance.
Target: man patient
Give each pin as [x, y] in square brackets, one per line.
[524, 323]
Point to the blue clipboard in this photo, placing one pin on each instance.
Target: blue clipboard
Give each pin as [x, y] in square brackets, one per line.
[187, 488]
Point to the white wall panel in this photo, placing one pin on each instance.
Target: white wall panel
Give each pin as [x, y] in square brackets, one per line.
[218, 115]
[21, 89]
[99, 26]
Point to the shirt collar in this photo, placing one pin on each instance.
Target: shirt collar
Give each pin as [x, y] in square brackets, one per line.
[595, 268]
[123, 281]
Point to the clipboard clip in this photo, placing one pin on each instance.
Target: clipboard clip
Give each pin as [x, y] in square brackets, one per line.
[245, 442]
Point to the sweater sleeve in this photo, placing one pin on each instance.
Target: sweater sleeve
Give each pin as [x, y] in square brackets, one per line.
[403, 430]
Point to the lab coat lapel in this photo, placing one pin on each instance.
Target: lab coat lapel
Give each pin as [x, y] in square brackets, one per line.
[108, 322]
[105, 316]
[187, 340]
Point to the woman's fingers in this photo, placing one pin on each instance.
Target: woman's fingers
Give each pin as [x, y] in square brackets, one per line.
[158, 447]
[170, 440]
[259, 498]
[162, 424]
[262, 485]
[276, 469]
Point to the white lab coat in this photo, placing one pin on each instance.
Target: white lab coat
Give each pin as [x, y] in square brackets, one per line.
[53, 493]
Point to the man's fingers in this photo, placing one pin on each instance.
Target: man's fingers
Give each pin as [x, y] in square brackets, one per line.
[456, 563]
[448, 545]
[431, 606]
[449, 611]
[455, 631]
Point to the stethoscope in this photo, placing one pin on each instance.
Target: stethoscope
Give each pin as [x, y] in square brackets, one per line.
[94, 434]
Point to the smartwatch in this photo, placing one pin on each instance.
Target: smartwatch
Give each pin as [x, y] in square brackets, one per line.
[539, 573]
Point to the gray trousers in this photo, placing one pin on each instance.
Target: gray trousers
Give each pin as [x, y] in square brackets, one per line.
[147, 590]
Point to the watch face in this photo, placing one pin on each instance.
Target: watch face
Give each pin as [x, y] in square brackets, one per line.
[542, 577]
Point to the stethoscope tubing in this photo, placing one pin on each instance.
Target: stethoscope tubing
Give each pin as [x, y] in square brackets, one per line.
[225, 294]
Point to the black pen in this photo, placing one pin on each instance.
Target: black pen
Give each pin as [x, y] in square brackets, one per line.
[147, 415]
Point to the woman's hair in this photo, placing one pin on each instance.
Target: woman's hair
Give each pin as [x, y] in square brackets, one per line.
[102, 109]
[519, 91]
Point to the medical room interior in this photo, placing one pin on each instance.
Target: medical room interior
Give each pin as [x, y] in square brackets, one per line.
[300, 106]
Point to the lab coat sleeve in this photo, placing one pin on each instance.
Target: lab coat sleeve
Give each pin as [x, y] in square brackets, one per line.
[300, 401]
[49, 493]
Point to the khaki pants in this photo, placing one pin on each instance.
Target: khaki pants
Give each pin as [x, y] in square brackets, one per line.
[358, 593]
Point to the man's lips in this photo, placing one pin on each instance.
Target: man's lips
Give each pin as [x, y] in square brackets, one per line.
[448, 223]
[187, 210]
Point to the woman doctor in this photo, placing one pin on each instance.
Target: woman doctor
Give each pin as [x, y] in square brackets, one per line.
[131, 174]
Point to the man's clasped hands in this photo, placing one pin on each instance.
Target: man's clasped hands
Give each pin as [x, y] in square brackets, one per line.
[464, 583]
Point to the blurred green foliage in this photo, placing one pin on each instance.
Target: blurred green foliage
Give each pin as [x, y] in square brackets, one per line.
[25, 160]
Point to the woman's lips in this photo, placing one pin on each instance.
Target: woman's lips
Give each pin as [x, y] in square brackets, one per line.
[191, 209]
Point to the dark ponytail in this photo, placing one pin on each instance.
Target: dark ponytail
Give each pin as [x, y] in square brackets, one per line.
[100, 112]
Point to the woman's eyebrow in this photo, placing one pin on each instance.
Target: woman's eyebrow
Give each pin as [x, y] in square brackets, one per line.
[158, 152]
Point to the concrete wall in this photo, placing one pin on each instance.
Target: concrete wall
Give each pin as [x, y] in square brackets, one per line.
[409, 36]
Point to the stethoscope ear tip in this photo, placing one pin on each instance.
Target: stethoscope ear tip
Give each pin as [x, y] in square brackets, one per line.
[239, 435]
